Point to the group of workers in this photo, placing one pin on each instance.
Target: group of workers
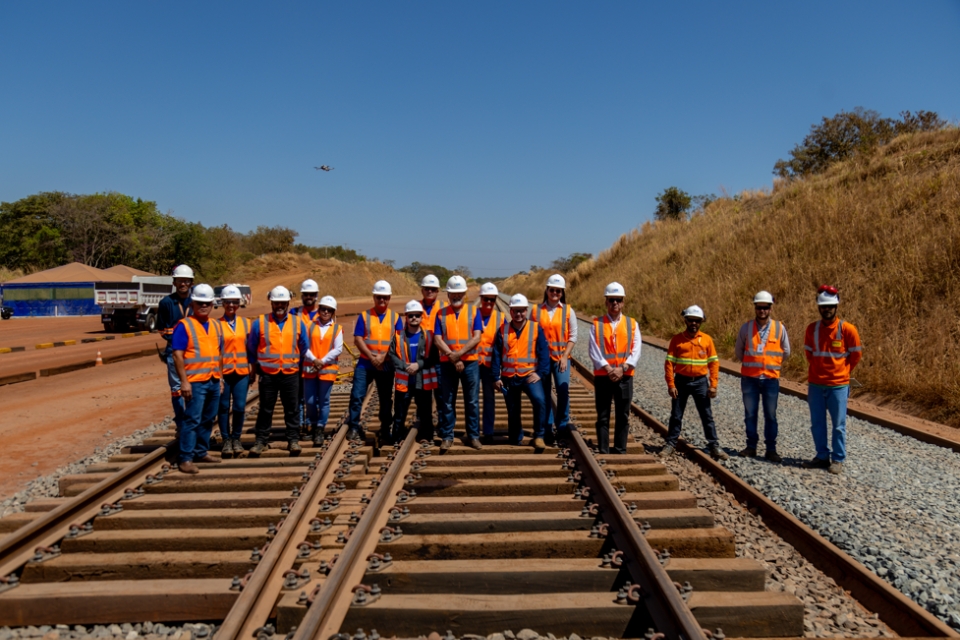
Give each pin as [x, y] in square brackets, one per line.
[427, 353]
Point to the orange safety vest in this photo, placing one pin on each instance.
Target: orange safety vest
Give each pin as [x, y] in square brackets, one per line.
[457, 330]
[201, 358]
[831, 353]
[235, 346]
[378, 335]
[298, 312]
[519, 351]
[763, 359]
[615, 345]
[320, 346]
[401, 378]
[489, 334]
[430, 319]
[278, 351]
[556, 331]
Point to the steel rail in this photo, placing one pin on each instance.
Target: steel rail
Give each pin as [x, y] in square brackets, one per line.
[665, 604]
[324, 617]
[17, 548]
[255, 603]
[899, 612]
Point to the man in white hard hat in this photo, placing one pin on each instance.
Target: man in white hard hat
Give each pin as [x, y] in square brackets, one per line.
[456, 334]
[275, 348]
[197, 344]
[762, 345]
[320, 366]
[415, 377]
[429, 290]
[833, 350]
[558, 321]
[309, 292]
[171, 310]
[372, 336]
[521, 359]
[491, 319]
[615, 351]
[692, 368]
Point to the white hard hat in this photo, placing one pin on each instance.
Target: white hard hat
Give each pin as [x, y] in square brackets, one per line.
[456, 284]
[827, 299]
[279, 294]
[202, 293]
[309, 286]
[614, 289]
[328, 301]
[488, 289]
[183, 271]
[229, 292]
[763, 297]
[413, 307]
[519, 300]
[693, 311]
[556, 280]
[430, 281]
[382, 288]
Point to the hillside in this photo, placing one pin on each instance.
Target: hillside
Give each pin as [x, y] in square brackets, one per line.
[884, 228]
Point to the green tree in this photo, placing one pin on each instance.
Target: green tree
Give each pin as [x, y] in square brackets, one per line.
[270, 240]
[672, 204]
[570, 262]
[29, 236]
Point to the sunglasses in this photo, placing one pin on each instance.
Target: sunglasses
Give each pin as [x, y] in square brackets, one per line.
[413, 315]
[614, 300]
[554, 290]
[324, 309]
[381, 297]
[693, 320]
[764, 308]
[203, 304]
[435, 289]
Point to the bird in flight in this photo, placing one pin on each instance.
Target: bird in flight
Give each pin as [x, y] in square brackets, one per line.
[324, 167]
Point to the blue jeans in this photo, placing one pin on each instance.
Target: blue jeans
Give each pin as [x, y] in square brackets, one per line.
[489, 399]
[235, 387]
[173, 379]
[316, 397]
[198, 417]
[515, 386]
[699, 389]
[562, 380]
[754, 390]
[363, 375]
[833, 400]
[449, 383]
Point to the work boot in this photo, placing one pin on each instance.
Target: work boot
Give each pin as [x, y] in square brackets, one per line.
[385, 438]
[294, 448]
[667, 451]
[227, 450]
[318, 439]
[445, 446]
[237, 448]
[209, 459]
[354, 434]
[258, 448]
[836, 468]
[749, 452]
[816, 463]
[717, 453]
[475, 444]
[773, 456]
[487, 439]
[188, 467]
[539, 444]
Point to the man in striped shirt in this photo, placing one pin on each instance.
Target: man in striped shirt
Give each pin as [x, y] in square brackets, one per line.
[692, 368]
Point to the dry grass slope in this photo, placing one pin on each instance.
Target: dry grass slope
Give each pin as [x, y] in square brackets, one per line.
[884, 228]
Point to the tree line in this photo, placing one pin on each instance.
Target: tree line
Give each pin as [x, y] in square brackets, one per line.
[101, 230]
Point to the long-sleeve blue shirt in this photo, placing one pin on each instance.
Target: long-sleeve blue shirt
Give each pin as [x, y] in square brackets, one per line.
[171, 310]
[542, 351]
[253, 338]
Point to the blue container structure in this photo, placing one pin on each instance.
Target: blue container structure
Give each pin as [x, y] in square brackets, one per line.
[50, 299]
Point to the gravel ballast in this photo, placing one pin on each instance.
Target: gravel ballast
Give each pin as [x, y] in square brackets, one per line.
[895, 507]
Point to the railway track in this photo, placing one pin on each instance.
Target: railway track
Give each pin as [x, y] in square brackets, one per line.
[400, 540]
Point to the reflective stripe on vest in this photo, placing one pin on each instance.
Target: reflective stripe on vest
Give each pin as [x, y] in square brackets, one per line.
[235, 346]
[378, 338]
[763, 361]
[487, 337]
[458, 333]
[321, 346]
[201, 358]
[519, 351]
[275, 354]
[837, 338]
[610, 350]
[556, 332]
[401, 377]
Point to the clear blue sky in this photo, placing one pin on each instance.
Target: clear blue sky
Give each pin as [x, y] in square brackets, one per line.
[495, 135]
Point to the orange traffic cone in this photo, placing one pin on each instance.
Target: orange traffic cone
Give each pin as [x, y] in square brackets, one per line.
[99, 359]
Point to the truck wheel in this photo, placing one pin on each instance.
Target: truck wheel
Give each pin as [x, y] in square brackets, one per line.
[109, 327]
[151, 323]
